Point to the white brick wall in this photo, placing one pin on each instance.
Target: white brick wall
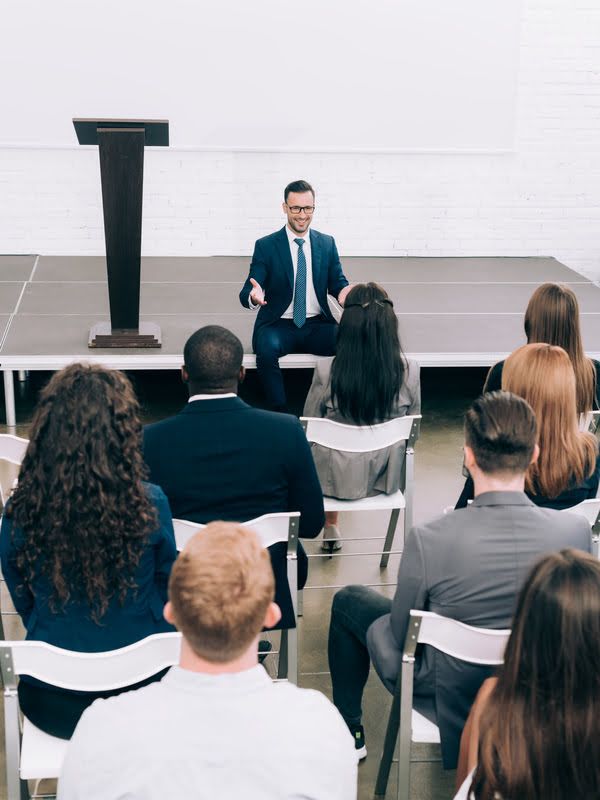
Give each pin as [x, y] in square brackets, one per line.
[544, 199]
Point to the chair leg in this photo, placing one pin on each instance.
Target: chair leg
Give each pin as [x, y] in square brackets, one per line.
[389, 539]
[389, 745]
[282, 668]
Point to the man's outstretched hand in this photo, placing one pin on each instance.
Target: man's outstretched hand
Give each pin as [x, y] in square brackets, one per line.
[343, 294]
[257, 296]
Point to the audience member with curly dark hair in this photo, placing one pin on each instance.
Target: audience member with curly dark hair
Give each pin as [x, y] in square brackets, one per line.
[86, 545]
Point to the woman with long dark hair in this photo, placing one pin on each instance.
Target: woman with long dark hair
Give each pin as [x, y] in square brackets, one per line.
[568, 468]
[552, 317]
[368, 381]
[86, 545]
[533, 732]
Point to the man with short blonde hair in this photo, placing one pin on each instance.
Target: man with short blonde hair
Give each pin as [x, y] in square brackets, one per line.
[220, 622]
[216, 726]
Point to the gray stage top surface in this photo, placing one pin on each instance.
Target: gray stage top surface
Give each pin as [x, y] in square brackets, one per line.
[452, 311]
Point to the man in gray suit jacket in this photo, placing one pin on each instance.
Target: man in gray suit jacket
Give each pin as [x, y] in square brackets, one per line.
[468, 565]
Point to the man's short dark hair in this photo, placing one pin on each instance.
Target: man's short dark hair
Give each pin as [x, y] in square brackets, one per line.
[501, 430]
[213, 357]
[297, 187]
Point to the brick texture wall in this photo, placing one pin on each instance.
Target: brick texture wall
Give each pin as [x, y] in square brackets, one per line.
[543, 199]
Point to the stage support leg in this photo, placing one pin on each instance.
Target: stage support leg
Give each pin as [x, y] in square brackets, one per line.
[9, 399]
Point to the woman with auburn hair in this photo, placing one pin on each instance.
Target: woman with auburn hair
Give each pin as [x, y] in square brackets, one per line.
[86, 546]
[568, 468]
[368, 381]
[533, 732]
[552, 317]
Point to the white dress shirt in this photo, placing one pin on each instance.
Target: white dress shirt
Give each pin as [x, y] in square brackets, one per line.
[195, 397]
[211, 737]
[313, 308]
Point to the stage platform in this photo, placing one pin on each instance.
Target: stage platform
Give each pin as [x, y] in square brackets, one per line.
[452, 311]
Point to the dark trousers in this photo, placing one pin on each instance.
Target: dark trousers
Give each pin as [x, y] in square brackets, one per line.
[354, 609]
[273, 341]
[57, 711]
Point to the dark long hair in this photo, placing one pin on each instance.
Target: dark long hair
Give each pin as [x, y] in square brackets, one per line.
[540, 728]
[80, 502]
[552, 317]
[368, 368]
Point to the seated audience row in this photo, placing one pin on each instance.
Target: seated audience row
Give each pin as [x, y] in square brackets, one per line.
[216, 726]
[533, 730]
[367, 382]
[467, 565]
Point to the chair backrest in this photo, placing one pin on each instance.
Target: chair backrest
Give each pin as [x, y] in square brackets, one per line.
[89, 672]
[12, 452]
[590, 421]
[361, 438]
[271, 528]
[590, 509]
[475, 645]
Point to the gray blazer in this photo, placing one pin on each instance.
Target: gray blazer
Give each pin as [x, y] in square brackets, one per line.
[468, 565]
[349, 476]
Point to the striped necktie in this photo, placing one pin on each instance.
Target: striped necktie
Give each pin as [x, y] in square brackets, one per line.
[300, 287]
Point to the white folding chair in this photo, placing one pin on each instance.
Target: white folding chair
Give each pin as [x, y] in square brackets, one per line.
[590, 509]
[367, 439]
[590, 421]
[34, 755]
[12, 452]
[271, 528]
[474, 645]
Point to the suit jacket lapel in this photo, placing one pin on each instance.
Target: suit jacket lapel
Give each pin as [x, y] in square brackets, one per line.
[285, 256]
[315, 250]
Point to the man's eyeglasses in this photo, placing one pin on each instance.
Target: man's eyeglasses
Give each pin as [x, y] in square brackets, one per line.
[298, 209]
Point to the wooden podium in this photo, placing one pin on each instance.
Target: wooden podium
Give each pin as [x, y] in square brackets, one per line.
[121, 144]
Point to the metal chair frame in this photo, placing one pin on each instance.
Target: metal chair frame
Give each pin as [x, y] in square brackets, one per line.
[364, 439]
[474, 645]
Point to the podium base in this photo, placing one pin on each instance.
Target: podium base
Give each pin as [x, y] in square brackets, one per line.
[102, 335]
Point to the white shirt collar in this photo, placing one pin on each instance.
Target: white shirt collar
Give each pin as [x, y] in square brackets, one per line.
[195, 397]
[293, 235]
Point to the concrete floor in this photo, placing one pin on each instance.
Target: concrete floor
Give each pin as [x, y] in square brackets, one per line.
[446, 394]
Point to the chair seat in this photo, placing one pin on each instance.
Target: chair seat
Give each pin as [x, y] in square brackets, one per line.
[42, 755]
[424, 731]
[377, 502]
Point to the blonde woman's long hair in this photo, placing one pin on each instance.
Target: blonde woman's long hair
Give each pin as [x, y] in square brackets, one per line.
[543, 375]
[552, 317]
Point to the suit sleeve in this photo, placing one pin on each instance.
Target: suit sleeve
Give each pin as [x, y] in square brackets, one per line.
[20, 593]
[493, 382]
[317, 393]
[336, 280]
[411, 591]
[258, 271]
[305, 494]
[165, 549]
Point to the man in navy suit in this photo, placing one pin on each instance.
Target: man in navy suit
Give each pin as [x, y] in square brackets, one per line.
[291, 274]
[219, 458]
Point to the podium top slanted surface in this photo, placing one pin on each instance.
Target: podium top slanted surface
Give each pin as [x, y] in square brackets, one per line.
[156, 130]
